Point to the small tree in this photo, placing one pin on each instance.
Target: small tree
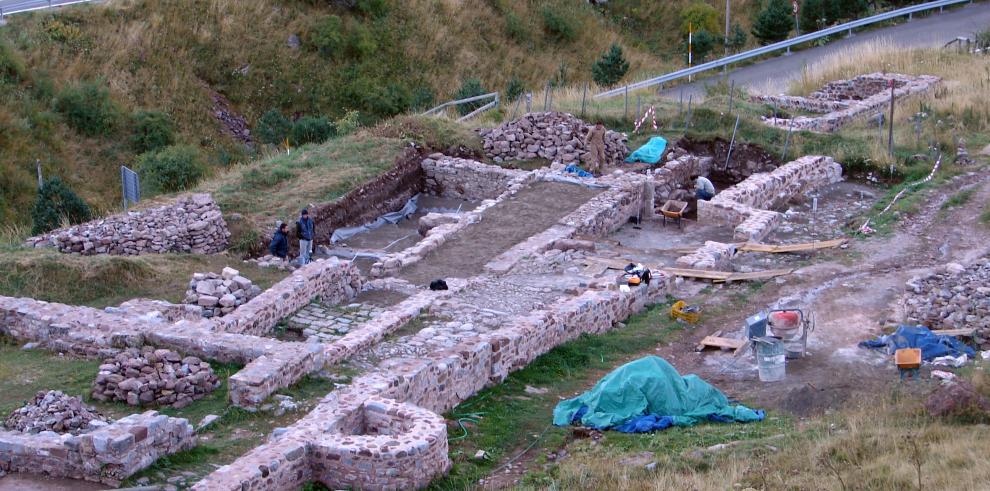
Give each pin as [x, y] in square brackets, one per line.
[55, 202]
[816, 14]
[470, 88]
[273, 127]
[326, 36]
[703, 42]
[610, 68]
[514, 89]
[699, 17]
[774, 22]
[170, 169]
[151, 130]
[558, 25]
[737, 37]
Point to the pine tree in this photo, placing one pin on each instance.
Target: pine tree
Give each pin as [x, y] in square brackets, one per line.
[610, 68]
[774, 22]
[56, 202]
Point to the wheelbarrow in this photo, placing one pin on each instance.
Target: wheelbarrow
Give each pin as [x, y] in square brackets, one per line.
[674, 210]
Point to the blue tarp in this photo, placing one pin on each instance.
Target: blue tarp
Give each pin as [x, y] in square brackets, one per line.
[647, 395]
[932, 345]
[574, 169]
[649, 153]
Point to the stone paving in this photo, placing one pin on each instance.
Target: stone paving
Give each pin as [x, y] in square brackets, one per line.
[323, 323]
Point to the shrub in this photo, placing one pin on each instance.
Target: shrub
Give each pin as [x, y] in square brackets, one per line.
[326, 36]
[514, 89]
[151, 130]
[774, 22]
[470, 88]
[11, 66]
[273, 127]
[57, 202]
[558, 26]
[360, 41]
[610, 68]
[372, 8]
[395, 98]
[422, 98]
[699, 17]
[87, 108]
[515, 28]
[170, 169]
[311, 129]
[348, 124]
[816, 14]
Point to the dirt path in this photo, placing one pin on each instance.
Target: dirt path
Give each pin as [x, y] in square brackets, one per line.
[532, 210]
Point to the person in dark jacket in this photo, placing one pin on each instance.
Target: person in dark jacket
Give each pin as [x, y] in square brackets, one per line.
[304, 230]
[280, 242]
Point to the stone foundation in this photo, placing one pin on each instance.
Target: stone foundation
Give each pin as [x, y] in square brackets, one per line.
[843, 101]
[746, 204]
[451, 177]
[712, 256]
[109, 454]
[192, 224]
[554, 136]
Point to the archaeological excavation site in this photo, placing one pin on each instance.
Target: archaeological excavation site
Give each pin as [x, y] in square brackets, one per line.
[551, 289]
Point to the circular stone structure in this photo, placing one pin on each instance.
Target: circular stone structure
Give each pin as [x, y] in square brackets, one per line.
[384, 445]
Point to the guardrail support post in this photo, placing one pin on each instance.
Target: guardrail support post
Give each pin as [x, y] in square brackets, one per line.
[910, 16]
[625, 110]
[849, 34]
[584, 96]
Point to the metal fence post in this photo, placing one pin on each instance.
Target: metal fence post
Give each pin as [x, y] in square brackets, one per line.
[732, 142]
[529, 102]
[636, 115]
[732, 87]
[787, 139]
[890, 129]
[625, 109]
[584, 97]
[687, 117]
[680, 105]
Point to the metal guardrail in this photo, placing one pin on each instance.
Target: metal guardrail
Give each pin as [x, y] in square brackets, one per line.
[493, 103]
[32, 5]
[786, 44]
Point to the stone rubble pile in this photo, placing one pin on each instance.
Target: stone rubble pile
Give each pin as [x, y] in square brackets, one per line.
[193, 224]
[270, 261]
[154, 377]
[955, 297]
[555, 136]
[219, 294]
[55, 411]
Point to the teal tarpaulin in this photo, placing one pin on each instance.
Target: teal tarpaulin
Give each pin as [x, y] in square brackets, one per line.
[650, 386]
[649, 153]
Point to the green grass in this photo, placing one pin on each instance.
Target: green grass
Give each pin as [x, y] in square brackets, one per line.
[959, 199]
[985, 216]
[110, 280]
[504, 419]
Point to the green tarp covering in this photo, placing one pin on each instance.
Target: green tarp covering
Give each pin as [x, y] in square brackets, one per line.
[651, 386]
[649, 153]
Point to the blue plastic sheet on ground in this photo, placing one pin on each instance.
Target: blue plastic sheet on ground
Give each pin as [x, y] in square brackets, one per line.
[574, 169]
[932, 345]
[648, 395]
[649, 153]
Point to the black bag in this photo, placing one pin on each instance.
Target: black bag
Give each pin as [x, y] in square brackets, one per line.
[436, 285]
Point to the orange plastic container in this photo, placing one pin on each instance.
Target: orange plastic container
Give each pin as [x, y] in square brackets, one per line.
[907, 358]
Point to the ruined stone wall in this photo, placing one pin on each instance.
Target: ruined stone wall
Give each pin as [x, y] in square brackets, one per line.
[673, 180]
[555, 136]
[843, 101]
[452, 177]
[191, 224]
[712, 256]
[746, 204]
[330, 280]
[109, 454]
[437, 383]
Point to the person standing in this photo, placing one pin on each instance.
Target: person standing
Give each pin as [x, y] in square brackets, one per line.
[279, 247]
[595, 143]
[304, 230]
[703, 188]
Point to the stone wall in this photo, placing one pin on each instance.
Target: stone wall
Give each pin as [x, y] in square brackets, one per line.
[712, 256]
[745, 205]
[331, 280]
[843, 101]
[438, 382]
[673, 180]
[558, 137]
[109, 454]
[452, 177]
[217, 295]
[191, 224]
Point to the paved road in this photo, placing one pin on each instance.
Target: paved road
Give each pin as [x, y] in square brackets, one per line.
[15, 5]
[773, 74]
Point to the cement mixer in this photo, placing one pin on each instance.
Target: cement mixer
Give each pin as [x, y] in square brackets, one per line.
[789, 325]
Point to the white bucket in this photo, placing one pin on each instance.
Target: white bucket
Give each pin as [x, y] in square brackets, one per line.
[771, 359]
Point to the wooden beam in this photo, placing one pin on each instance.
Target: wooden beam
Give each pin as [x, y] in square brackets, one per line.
[727, 276]
[781, 248]
[701, 344]
[965, 332]
[719, 342]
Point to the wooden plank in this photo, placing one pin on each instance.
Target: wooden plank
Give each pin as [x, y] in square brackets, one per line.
[701, 345]
[699, 273]
[782, 248]
[760, 275]
[965, 332]
[741, 348]
[719, 342]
